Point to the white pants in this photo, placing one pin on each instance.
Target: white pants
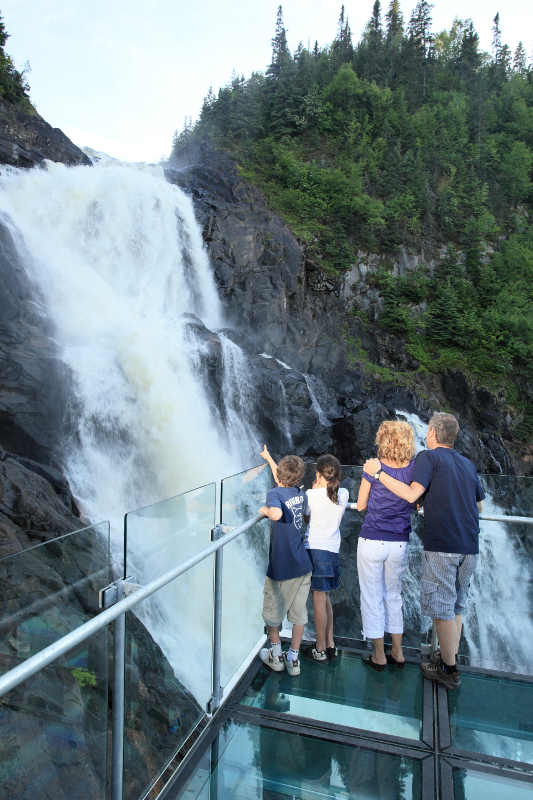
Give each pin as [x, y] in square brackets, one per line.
[380, 566]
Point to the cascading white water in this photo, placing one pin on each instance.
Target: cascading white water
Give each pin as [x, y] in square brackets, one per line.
[238, 397]
[118, 257]
[284, 420]
[317, 408]
[119, 260]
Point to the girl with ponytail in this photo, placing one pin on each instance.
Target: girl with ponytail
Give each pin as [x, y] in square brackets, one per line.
[327, 503]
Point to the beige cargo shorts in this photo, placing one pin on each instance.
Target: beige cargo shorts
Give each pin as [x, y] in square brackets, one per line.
[286, 597]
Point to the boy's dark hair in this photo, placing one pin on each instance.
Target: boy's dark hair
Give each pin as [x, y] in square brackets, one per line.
[330, 468]
[290, 470]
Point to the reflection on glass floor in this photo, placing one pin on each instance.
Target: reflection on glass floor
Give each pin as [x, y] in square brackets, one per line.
[248, 761]
[493, 715]
[345, 692]
[470, 784]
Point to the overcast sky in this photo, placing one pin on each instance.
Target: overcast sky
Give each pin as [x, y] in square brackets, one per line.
[122, 75]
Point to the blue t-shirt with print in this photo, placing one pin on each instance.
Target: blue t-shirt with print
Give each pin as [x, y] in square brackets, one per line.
[451, 517]
[288, 557]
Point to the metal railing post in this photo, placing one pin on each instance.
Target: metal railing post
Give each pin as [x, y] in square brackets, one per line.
[433, 637]
[214, 702]
[119, 663]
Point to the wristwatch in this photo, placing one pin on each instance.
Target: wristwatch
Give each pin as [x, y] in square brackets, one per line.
[378, 473]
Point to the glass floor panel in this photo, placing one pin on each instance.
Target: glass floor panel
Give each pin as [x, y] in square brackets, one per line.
[470, 784]
[247, 762]
[345, 692]
[492, 715]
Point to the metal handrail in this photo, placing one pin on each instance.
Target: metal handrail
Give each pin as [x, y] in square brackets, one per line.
[35, 663]
[31, 665]
[489, 517]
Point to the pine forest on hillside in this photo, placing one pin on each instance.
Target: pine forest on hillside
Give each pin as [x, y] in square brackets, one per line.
[408, 138]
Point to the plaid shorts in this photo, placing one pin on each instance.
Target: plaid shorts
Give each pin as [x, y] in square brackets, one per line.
[445, 581]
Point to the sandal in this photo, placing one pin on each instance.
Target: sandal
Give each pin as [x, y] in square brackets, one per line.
[370, 663]
[392, 660]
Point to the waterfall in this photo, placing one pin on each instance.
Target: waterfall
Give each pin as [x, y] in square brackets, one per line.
[284, 415]
[239, 396]
[317, 408]
[119, 263]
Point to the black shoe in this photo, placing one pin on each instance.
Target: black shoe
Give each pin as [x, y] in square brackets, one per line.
[331, 652]
[315, 655]
[369, 663]
[392, 660]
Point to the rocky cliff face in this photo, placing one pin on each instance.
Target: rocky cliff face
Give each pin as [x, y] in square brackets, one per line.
[316, 385]
[26, 139]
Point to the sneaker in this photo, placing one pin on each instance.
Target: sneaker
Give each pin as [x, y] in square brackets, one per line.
[435, 672]
[271, 661]
[292, 667]
[319, 655]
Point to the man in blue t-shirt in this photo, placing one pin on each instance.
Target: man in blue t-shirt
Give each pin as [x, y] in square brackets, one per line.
[288, 577]
[452, 502]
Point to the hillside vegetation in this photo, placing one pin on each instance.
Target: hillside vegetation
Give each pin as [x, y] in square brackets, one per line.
[14, 87]
[407, 138]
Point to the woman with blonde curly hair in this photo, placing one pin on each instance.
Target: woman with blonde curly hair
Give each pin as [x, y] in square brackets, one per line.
[382, 546]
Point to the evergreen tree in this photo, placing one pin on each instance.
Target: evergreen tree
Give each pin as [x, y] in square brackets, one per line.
[4, 35]
[13, 84]
[342, 48]
[394, 24]
[520, 59]
[281, 56]
[393, 42]
[420, 28]
[419, 50]
[370, 61]
[496, 37]
[501, 65]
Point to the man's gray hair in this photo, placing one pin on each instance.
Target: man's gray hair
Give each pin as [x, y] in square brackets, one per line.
[445, 426]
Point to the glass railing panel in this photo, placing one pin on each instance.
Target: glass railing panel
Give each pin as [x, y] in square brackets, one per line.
[169, 661]
[50, 589]
[56, 722]
[492, 715]
[245, 565]
[473, 784]
[252, 762]
[345, 692]
[167, 533]
[55, 728]
[345, 600]
[498, 624]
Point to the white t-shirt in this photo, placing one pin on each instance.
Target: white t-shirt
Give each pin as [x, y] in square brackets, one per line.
[323, 532]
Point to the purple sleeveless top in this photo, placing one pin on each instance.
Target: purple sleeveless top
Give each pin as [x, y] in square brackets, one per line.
[388, 517]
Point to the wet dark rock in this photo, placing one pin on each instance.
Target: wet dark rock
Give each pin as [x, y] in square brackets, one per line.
[26, 139]
[34, 386]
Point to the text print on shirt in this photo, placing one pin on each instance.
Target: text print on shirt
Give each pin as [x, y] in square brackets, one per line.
[297, 516]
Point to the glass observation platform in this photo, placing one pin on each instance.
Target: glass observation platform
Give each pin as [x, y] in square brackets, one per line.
[149, 685]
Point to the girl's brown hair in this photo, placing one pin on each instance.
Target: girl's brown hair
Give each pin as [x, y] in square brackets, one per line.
[396, 441]
[330, 469]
